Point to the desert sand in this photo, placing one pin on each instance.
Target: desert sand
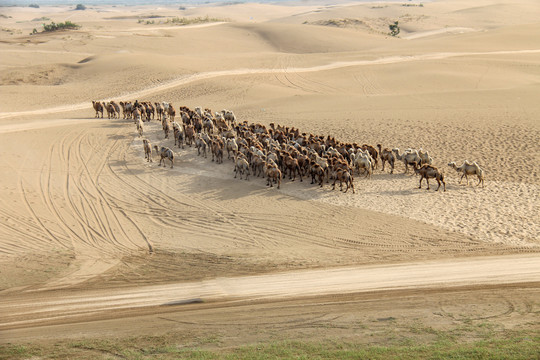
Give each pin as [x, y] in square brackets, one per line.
[84, 216]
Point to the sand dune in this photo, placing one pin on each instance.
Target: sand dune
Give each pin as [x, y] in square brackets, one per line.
[81, 208]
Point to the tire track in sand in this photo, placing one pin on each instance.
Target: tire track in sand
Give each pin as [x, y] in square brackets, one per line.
[186, 79]
[439, 274]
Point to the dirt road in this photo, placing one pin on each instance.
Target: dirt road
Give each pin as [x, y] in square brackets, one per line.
[22, 310]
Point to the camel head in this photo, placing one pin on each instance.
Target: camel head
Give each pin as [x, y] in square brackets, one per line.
[452, 165]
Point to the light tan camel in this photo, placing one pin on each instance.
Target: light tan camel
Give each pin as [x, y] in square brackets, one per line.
[469, 168]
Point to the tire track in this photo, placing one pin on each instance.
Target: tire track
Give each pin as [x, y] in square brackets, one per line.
[439, 274]
[101, 205]
[187, 79]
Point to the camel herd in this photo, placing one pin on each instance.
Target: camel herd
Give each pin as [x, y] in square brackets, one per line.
[276, 151]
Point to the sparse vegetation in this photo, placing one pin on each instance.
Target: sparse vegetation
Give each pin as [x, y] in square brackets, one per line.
[80, 7]
[394, 28]
[189, 21]
[340, 22]
[43, 18]
[68, 25]
[180, 20]
[34, 6]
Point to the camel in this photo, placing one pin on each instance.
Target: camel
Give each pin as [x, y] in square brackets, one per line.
[190, 134]
[208, 125]
[147, 150]
[136, 115]
[178, 132]
[200, 144]
[98, 107]
[140, 127]
[164, 152]
[469, 168]
[291, 164]
[111, 110]
[127, 108]
[171, 112]
[116, 108]
[429, 172]
[316, 171]
[257, 165]
[273, 174]
[323, 162]
[343, 176]
[386, 156]
[150, 110]
[221, 124]
[363, 161]
[216, 146]
[166, 128]
[424, 157]
[232, 147]
[409, 157]
[373, 153]
[159, 110]
[241, 166]
[229, 116]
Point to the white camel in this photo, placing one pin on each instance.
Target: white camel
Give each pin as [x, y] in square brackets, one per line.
[469, 168]
[409, 157]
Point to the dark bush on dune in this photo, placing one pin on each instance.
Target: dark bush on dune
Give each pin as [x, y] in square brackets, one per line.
[80, 7]
[68, 25]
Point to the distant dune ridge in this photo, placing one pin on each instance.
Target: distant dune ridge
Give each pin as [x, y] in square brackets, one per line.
[79, 204]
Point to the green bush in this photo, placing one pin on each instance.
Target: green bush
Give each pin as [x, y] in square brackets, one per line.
[80, 7]
[394, 28]
[68, 25]
[34, 6]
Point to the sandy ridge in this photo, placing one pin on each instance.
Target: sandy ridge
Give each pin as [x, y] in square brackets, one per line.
[213, 74]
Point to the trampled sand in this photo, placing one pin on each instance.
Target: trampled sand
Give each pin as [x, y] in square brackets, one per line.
[81, 208]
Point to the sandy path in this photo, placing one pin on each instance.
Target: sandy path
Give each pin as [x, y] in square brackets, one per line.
[213, 74]
[25, 311]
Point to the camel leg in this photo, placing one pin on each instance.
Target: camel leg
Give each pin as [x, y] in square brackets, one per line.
[420, 182]
[427, 180]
